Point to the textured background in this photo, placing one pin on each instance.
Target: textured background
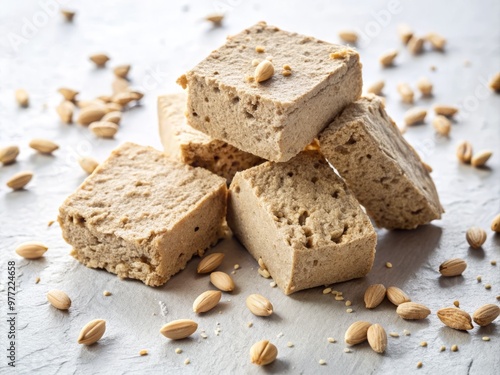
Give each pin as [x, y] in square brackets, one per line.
[162, 39]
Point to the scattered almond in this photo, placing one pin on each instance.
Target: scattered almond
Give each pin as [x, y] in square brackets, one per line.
[99, 59]
[88, 164]
[387, 59]
[415, 45]
[114, 117]
[486, 314]
[216, 19]
[495, 82]
[121, 71]
[8, 154]
[374, 295]
[425, 86]
[442, 125]
[264, 71]
[104, 129]
[495, 224]
[68, 14]
[119, 85]
[452, 267]
[92, 332]
[206, 301]
[222, 281]
[65, 111]
[43, 146]
[210, 262]
[90, 103]
[476, 237]
[91, 114]
[143, 352]
[436, 40]
[348, 36]
[377, 338]
[59, 299]
[263, 353]
[405, 33]
[31, 250]
[259, 305]
[376, 87]
[455, 318]
[414, 116]
[479, 159]
[412, 311]
[179, 329]
[124, 98]
[19, 180]
[445, 110]
[464, 152]
[406, 93]
[397, 296]
[68, 94]
[264, 273]
[357, 332]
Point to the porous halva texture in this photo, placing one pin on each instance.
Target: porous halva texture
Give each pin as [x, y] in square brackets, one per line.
[380, 167]
[304, 223]
[195, 148]
[277, 118]
[141, 215]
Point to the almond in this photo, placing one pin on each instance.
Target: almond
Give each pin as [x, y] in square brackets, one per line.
[263, 353]
[122, 71]
[464, 152]
[264, 71]
[22, 98]
[259, 305]
[455, 318]
[374, 295]
[59, 299]
[406, 93]
[104, 129]
[222, 281]
[91, 103]
[415, 45]
[405, 33]
[495, 82]
[357, 332]
[43, 146]
[376, 87]
[88, 164]
[91, 114]
[92, 332]
[100, 59]
[442, 125]
[31, 250]
[377, 338]
[8, 154]
[210, 262]
[348, 36]
[445, 110]
[137, 95]
[20, 180]
[68, 14]
[65, 111]
[387, 59]
[480, 159]
[495, 224]
[486, 314]
[119, 85]
[436, 40]
[206, 301]
[412, 311]
[114, 107]
[397, 296]
[415, 116]
[179, 329]
[68, 94]
[452, 267]
[114, 117]
[123, 98]
[476, 237]
[216, 19]
[425, 86]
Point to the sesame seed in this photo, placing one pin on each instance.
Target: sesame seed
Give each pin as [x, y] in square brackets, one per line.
[178, 351]
[249, 324]
[487, 286]
[347, 350]
[203, 335]
[456, 303]
[331, 340]
[37, 280]
[236, 266]
[479, 278]
[419, 365]
[423, 344]
[286, 73]
[50, 223]
[393, 334]
[388, 264]
[454, 348]
[322, 362]
[187, 361]
[289, 344]
[339, 298]
[281, 334]
[327, 290]
[493, 262]
[348, 311]
[348, 303]
[442, 348]
[486, 338]
[287, 67]
[143, 352]
[498, 297]
[255, 62]
[259, 49]
[233, 272]
[106, 293]
[272, 284]
[406, 332]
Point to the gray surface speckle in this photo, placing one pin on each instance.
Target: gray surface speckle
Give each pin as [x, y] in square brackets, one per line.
[162, 39]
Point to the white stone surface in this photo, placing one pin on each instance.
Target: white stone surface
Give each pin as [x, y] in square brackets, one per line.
[162, 39]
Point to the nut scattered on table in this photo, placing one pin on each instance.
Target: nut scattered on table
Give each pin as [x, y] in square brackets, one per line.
[210, 263]
[99, 59]
[377, 338]
[222, 281]
[374, 295]
[43, 146]
[92, 332]
[59, 299]
[8, 154]
[387, 58]
[413, 311]
[22, 98]
[263, 353]
[442, 125]
[31, 250]
[348, 36]
[259, 305]
[486, 314]
[19, 180]
[425, 86]
[405, 33]
[455, 318]
[206, 301]
[464, 152]
[397, 296]
[68, 94]
[88, 164]
[480, 158]
[476, 237]
[452, 267]
[406, 93]
[179, 329]
[357, 332]
[376, 87]
[415, 116]
[122, 70]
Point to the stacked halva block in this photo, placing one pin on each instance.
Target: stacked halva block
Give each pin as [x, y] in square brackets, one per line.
[143, 214]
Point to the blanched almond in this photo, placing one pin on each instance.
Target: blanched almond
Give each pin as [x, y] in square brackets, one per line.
[43, 146]
[91, 114]
[259, 305]
[206, 301]
[92, 332]
[210, 262]
[114, 117]
[179, 329]
[19, 180]
[263, 353]
[104, 129]
[22, 98]
[406, 93]
[264, 71]
[387, 59]
[88, 164]
[65, 111]
[31, 250]
[415, 116]
[8, 154]
[222, 281]
[59, 299]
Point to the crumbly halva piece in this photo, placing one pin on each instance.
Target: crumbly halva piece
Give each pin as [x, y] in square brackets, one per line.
[274, 119]
[381, 168]
[304, 223]
[143, 216]
[195, 148]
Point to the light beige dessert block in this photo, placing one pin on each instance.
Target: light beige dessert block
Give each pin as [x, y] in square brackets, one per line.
[143, 216]
[304, 223]
[381, 168]
[277, 118]
[195, 148]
